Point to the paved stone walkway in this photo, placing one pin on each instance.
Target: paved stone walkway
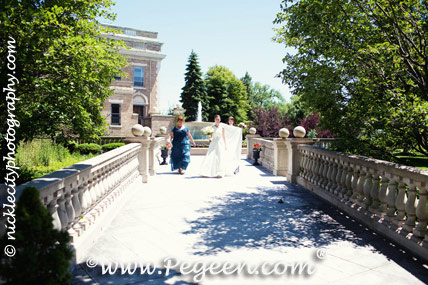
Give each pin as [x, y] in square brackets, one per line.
[239, 220]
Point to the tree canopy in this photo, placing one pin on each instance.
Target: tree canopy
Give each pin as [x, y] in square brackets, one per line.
[194, 90]
[228, 96]
[363, 65]
[63, 63]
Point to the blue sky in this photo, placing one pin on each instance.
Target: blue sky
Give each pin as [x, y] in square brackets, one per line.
[236, 34]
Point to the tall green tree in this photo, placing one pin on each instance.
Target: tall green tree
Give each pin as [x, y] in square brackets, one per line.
[63, 63]
[363, 65]
[228, 96]
[194, 90]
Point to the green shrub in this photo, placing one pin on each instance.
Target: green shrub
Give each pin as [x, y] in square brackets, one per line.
[71, 146]
[40, 152]
[40, 157]
[111, 146]
[42, 252]
[87, 148]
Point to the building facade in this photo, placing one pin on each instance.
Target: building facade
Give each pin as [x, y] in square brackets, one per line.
[135, 96]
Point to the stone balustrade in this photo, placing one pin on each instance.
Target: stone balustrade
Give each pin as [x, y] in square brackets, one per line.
[390, 198]
[273, 155]
[82, 198]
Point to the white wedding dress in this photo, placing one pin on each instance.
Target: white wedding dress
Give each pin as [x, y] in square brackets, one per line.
[219, 161]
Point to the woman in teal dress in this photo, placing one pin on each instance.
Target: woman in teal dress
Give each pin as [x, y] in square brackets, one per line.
[180, 152]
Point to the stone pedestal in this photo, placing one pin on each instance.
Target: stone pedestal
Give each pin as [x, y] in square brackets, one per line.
[143, 156]
[294, 157]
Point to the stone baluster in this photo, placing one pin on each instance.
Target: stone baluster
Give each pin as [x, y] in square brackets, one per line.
[68, 205]
[360, 187]
[390, 198]
[356, 178]
[422, 212]
[382, 196]
[348, 184]
[316, 166]
[400, 204]
[343, 179]
[367, 190]
[325, 180]
[320, 170]
[338, 177]
[310, 175]
[409, 225]
[62, 211]
[333, 175]
[76, 200]
[374, 193]
[327, 173]
[53, 210]
[306, 163]
[91, 191]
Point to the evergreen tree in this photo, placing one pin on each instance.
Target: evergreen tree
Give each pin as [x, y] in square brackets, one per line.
[194, 89]
[249, 85]
[42, 252]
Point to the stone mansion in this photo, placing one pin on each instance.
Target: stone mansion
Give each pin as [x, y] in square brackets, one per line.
[135, 96]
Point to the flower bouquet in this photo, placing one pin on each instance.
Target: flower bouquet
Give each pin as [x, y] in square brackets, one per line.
[208, 130]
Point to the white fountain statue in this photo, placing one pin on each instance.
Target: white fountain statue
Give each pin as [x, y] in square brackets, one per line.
[199, 114]
[196, 126]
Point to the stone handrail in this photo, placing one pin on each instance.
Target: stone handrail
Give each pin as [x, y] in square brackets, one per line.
[391, 198]
[80, 195]
[273, 155]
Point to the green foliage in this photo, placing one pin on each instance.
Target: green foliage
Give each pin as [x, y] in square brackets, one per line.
[227, 94]
[63, 64]
[89, 148]
[312, 134]
[40, 157]
[362, 65]
[111, 146]
[42, 252]
[194, 90]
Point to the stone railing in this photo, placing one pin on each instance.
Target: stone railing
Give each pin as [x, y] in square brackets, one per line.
[390, 198]
[84, 197]
[273, 155]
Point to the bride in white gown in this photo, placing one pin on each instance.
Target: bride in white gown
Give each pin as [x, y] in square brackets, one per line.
[224, 151]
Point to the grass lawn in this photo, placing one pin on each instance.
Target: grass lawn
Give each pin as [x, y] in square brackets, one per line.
[415, 159]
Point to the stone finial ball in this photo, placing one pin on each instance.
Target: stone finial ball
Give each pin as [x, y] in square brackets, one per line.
[284, 133]
[299, 132]
[252, 131]
[137, 130]
[147, 132]
[162, 130]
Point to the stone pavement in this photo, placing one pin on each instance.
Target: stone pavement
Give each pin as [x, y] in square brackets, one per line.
[238, 220]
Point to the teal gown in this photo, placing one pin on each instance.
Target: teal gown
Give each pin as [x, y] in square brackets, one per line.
[180, 152]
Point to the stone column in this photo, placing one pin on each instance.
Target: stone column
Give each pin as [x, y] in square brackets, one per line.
[294, 156]
[143, 155]
[280, 157]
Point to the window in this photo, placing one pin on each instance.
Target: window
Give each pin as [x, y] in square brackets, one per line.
[130, 32]
[115, 114]
[139, 76]
[116, 78]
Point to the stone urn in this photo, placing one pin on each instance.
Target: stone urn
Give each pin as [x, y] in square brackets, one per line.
[256, 156]
[164, 155]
